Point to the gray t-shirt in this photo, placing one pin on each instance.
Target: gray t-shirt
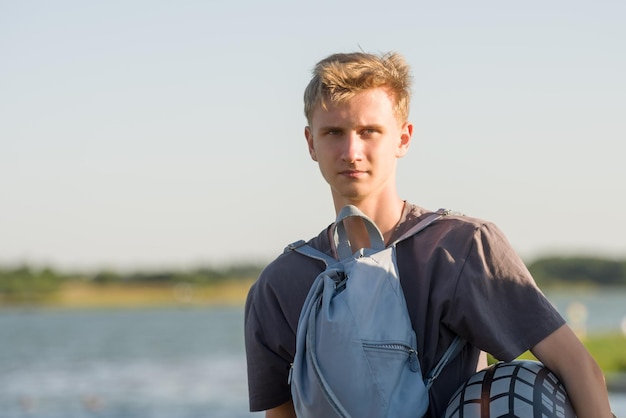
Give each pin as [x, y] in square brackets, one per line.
[459, 276]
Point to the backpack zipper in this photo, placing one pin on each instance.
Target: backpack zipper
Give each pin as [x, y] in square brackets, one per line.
[404, 348]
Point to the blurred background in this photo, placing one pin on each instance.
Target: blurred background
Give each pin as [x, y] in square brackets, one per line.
[152, 160]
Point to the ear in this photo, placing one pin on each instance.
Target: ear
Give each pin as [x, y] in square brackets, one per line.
[309, 140]
[406, 133]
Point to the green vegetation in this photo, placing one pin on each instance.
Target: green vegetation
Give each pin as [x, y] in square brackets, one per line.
[28, 285]
[581, 270]
[204, 275]
[25, 284]
[81, 295]
[607, 349]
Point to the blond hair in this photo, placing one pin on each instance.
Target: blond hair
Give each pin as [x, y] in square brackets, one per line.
[339, 77]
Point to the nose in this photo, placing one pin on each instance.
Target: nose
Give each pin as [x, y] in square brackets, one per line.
[353, 148]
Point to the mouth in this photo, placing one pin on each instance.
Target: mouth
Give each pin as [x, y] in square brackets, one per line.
[351, 173]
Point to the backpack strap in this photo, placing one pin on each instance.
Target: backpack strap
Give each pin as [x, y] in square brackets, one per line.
[340, 240]
[458, 343]
[342, 244]
[453, 350]
[423, 224]
[340, 237]
[305, 249]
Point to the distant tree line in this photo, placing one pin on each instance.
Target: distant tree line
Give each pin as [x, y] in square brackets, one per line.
[25, 283]
[29, 284]
[578, 270]
[203, 275]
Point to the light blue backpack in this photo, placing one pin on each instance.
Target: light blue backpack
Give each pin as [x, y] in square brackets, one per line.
[356, 351]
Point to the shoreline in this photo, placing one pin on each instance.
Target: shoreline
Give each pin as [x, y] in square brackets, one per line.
[84, 295]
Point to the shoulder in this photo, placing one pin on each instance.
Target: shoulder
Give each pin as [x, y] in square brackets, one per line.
[456, 220]
[290, 263]
[453, 229]
[284, 283]
[459, 245]
[439, 253]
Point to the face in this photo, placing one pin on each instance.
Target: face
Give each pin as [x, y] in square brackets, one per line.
[356, 144]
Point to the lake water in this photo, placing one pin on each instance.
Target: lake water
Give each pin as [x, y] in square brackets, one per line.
[155, 363]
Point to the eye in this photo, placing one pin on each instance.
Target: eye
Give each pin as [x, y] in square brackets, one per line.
[332, 132]
[370, 131]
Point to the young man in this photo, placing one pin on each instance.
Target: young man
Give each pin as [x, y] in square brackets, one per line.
[459, 276]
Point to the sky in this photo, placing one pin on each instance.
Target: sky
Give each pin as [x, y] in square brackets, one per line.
[155, 134]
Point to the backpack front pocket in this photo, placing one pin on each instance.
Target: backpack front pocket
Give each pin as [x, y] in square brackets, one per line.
[396, 352]
[392, 365]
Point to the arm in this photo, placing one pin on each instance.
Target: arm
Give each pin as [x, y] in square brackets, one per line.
[283, 411]
[563, 353]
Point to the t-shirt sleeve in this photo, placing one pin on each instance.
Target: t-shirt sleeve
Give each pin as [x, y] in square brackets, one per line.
[497, 306]
[271, 320]
[268, 362]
